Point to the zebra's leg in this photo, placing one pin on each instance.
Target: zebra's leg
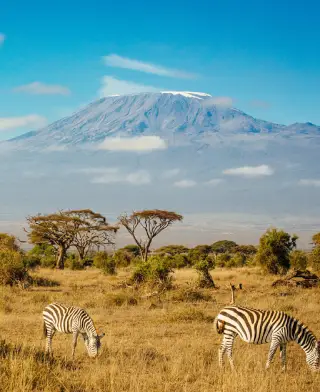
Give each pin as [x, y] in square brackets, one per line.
[273, 348]
[221, 352]
[226, 347]
[283, 355]
[50, 332]
[74, 342]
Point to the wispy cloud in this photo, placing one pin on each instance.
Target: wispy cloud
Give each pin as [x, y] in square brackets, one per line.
[134, 144]
[56, 148]
[185, 184]
[2, 38]
[224, 102]
[250, 171]
[39, 88]
[140, 177]
[113, 86]
[114, 60]
[260, 104]
[310, 182]
[214, 181]
[32, 120]
[170, 173]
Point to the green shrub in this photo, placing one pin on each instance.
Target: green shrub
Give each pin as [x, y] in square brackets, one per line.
[274, 251]
[105, 262]
[156, 271]
[203, 266]
[73, 262]
[42, 254]
[180, 261]
[314, 259]
[12, 268]
[123, 257]
[298, 260]
[237, 260]
[222, 259]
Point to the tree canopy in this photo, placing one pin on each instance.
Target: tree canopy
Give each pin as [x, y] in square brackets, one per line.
[79, 228]
[274, 250]
[152, 223]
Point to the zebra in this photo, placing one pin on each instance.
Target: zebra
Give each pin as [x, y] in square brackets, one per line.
[264, 326]
[70, 319]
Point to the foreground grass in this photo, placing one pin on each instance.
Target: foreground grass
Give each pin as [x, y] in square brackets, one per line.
[170, 346]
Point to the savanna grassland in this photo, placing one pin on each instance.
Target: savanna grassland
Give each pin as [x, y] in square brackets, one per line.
[165, 346]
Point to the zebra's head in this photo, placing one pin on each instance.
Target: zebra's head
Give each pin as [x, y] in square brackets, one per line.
[93, 344]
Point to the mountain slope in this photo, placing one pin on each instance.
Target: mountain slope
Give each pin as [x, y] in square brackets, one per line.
[175, 116]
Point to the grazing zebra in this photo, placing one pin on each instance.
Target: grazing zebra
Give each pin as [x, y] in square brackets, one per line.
[264, 326]
[70, 319]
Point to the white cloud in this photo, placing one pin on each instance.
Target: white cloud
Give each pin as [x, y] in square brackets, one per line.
[135, 144]
[31, 121]
[2, 38]
[224, 102]
[139, 177]
[214, 181]
[185, 184]
[38, 88]
[250, 171]
[170, 173]
[113, 60]
[112, 86]
[56, 148]
[310, 182]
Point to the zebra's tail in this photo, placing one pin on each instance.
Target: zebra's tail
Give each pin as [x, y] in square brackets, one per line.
[220, 325]
[44, 330]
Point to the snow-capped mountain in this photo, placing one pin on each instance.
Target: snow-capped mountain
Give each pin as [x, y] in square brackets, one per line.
[185, 117]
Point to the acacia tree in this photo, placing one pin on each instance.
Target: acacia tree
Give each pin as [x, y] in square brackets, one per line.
[55, 229]
[274, 251]
[91, 230]
[314, 256]
[152, 222]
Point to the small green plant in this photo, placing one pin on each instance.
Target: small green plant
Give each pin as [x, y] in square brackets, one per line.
[12, 268]
[156, 272]
[298, 260]
[203, 267]
[73, 262]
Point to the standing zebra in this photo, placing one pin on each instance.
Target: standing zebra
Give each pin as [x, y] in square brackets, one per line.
[70, 319]
[264, 326]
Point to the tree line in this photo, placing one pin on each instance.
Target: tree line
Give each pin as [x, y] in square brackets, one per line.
[90, 237]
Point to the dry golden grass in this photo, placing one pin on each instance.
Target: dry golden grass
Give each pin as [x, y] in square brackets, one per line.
[170, 347]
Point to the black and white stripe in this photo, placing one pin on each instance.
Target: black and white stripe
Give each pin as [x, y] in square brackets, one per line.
[70, 319]
[265, 326]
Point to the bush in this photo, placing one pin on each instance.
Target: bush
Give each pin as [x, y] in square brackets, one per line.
[274, 251]
[123, 257]
[203, 266]
[180, 261]
[12, 268]
[105, 262]
[298, 260]
[198, 253]
[73, 262]
[41, 254]
[314, 259]
[237, 260]
[8, 242]
[156, 271]
[222, 259]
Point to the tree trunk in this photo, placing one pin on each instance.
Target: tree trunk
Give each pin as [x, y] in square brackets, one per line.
[61, 257]
[82, 253]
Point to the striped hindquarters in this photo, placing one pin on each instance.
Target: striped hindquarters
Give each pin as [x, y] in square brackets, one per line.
[252, 325]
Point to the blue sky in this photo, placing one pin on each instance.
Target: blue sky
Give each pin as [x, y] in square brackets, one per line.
[264, 55]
